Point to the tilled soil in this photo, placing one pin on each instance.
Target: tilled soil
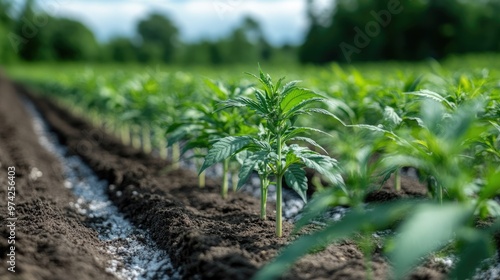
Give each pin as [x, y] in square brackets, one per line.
[51, 241]
[210, 238]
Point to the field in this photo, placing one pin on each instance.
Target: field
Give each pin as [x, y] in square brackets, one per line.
[370, 171]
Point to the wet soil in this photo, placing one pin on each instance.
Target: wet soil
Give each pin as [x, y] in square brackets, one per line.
[209, 237]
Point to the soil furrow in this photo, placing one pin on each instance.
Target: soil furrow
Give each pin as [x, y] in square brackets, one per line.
[52, 241]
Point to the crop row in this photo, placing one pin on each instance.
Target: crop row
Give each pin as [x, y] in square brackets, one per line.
[443, 123]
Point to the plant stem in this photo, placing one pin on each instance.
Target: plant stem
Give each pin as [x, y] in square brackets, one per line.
[136, 141]
[201, 180]
[176, 155]
[146, 140]
[279, 195]
[279, 210]
[397, 179]
[234, 181]
[263, 197]
[125, 134]
[225, 183]
[163, 149]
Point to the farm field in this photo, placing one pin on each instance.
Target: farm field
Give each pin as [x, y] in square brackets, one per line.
[396, 165]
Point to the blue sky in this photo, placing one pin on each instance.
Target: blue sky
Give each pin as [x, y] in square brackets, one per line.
[283, 21]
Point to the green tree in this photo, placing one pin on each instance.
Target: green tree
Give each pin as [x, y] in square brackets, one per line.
[7, 53]
[360, 30]
[26, 38]
[69, 40]
[159, 38]
[121, 49]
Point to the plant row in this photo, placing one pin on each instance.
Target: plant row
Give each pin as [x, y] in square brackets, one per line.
[355, 128]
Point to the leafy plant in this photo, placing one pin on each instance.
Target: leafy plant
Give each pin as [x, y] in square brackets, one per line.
[272, 153]
[202, 125]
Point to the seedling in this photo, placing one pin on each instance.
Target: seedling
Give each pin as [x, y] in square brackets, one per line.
[271, 152]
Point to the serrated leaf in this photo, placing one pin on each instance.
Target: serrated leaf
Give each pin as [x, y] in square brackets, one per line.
[296, 110]
[324, 112]
[310, 142]
[242, 102]
[369, 127]
[302, 129]
[434, 226]
[246, 169]
[432, 95]
[296, 179]
[296, 96]
[218, 88]
[250, 163]
[391, 116]
[326, 166]
[288, 87]
[261, 97]
[225, 148]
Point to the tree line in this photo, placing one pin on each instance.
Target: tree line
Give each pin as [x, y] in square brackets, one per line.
[35, 36]
[361, 30]
[347, 31]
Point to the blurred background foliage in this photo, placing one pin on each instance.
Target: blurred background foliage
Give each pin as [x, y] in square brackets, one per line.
[423, 29]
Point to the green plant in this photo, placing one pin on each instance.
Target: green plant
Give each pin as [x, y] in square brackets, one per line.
[271, 152]
[202, 125]
[439, 148]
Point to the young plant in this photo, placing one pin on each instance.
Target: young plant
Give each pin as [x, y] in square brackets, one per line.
[440, 148]
[271, 153]
[202, 125]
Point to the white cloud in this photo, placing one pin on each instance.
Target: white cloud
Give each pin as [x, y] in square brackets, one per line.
[282, 20]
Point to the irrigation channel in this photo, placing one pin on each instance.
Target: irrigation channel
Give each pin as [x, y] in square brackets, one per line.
[134, 254]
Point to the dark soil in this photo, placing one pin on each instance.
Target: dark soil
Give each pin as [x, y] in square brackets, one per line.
[210, 238]
[52, 241]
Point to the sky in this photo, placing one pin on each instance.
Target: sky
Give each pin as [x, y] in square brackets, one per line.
[283, 21]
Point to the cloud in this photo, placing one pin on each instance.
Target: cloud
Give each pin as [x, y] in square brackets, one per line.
[283, 21]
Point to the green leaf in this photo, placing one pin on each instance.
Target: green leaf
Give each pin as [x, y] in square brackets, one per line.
[242, 102]
[249, 164]
[492, 186]
[297, 96]
[369, 127]
[218, 88]
[432, 95]
[325, 165]
[296, 179]
[263, 103]
[245, 171]
[289, 87]
[391, 116]
[225, 148]
[412, 84]
[298, 130]
[476, 246]
[296, 110]
[310, 142]
[324, 112]
[433, 226]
